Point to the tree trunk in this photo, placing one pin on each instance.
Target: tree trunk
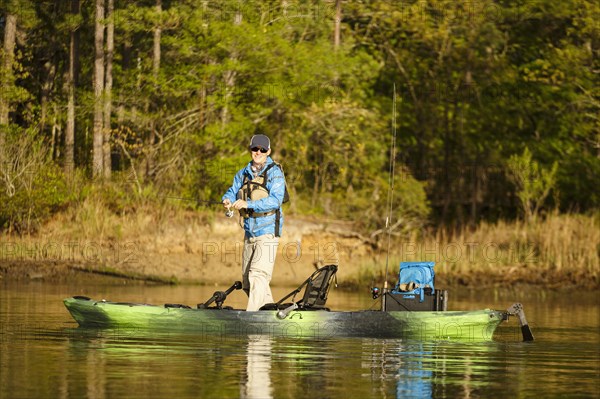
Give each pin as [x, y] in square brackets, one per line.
[70, 89]
[447, 191]
[126, 58]
[7, 80]
[229, 78]
[475, 192]
[336, 36]
[201, 114]
[155, 71]
[157, 36]
[138, 91]
[338, 24]
[56, 132]
[98, 140]
[110, 46]
[49, 72]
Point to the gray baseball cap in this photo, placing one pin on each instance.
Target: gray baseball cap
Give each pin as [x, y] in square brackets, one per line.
[260, 140]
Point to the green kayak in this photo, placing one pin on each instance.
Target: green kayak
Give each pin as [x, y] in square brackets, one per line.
[449, 325]
[414, 314]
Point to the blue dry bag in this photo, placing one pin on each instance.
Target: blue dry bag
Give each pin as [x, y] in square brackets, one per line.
[419, 274]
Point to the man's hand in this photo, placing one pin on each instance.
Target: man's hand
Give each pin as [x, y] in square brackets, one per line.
[240, 204]
[226, 204]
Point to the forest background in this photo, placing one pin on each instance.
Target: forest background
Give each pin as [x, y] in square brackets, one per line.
[120, 121]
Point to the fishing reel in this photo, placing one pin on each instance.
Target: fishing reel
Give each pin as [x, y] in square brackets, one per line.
[375, 292]
[229, 213]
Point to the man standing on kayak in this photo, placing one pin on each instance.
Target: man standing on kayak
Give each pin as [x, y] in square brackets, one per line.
[257, 192]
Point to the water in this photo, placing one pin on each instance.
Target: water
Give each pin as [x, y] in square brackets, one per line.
[44, 355]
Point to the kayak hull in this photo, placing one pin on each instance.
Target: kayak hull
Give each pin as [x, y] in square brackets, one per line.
[478, 325]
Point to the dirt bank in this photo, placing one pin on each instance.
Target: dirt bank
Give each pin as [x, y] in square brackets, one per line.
[200, 250]
[185, 253]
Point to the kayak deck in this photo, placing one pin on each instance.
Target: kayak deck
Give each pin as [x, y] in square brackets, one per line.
[478, 325]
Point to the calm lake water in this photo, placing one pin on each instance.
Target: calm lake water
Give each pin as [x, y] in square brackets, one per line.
[43, 354]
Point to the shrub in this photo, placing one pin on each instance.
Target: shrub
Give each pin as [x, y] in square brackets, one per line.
[32, 187]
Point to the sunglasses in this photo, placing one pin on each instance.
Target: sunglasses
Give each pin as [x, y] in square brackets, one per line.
[256, 149]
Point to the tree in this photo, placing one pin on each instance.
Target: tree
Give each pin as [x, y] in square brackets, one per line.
[69, 162]
[8, 56]
[108, 84]
[229, 75]
[98, 132]
[187, 77]
[532, 181]
[337, 24]
[17, 15]
[156, 55]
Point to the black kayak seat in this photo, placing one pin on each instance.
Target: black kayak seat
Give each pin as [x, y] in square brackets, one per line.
[315, 293]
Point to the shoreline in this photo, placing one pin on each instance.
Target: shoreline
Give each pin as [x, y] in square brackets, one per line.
[53, 271]
[204, 249]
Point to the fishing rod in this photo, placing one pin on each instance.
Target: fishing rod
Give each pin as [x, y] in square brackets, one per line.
[228, 213]
[390, 199]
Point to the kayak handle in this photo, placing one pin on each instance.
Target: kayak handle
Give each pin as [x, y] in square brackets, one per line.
[283, 313]
[219, 296]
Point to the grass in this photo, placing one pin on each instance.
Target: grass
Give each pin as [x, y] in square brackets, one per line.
[558, 250]
[553, 251]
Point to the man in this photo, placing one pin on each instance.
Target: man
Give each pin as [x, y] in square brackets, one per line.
[258, 191]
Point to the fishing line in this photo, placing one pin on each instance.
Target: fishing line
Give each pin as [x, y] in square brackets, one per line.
[228, 213]
[199, 201]
[388, 220]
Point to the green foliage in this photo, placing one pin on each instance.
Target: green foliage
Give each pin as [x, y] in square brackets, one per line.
[478, 82]
[32, 186]
[532, 181]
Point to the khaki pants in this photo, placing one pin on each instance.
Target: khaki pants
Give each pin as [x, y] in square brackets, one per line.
[258, 260]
